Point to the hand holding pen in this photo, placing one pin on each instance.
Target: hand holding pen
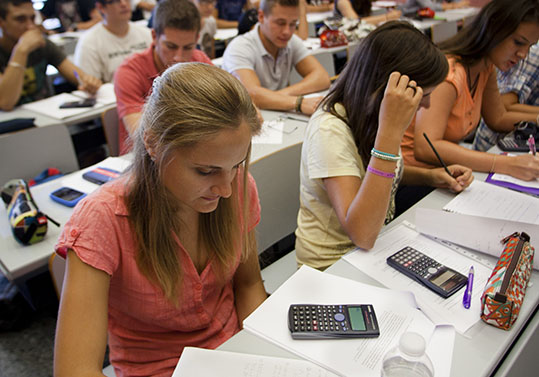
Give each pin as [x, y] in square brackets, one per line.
[454, 177]
[531, 144]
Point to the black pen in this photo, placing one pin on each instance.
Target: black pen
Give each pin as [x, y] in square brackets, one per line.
[437, 155]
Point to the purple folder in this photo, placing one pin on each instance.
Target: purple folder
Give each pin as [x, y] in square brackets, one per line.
[527, 190]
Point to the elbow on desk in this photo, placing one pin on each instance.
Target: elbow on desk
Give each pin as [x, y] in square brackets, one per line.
[6, 106]
[363, 241]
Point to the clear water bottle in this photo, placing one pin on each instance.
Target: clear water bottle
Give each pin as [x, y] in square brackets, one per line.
[408, 358]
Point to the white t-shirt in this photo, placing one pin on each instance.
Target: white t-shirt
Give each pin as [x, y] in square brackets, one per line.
[207, 34]
[99, 52]
[328, 150]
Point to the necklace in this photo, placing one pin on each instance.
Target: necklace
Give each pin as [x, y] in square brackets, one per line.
[471, 85]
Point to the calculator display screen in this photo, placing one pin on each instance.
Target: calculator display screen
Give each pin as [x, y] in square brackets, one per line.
[444, 280]
[356, 318]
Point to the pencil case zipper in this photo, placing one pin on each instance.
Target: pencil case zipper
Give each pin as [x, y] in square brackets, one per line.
[500, 296]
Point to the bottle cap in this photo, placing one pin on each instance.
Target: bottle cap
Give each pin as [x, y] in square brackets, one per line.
[412, 344]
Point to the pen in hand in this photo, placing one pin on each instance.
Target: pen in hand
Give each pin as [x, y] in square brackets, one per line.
[531, 144]
[467, 299]
[437, 155]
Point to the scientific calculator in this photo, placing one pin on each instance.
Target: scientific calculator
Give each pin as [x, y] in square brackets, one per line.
[435, 276]
[309, 321]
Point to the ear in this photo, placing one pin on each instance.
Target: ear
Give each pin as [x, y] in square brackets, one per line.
[100, 8]
[149, 145]
[261, 16]
[154, 36]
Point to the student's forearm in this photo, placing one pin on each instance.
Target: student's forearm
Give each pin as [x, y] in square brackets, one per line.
[523, 108]
[248, 298]
[312, 83]
[453, 153]
[367, 212]
[507, 122]
[268, 99]
[12, 80]
[225, 24]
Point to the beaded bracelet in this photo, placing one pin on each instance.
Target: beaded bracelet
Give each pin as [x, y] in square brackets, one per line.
[380, 172]
[384, 155]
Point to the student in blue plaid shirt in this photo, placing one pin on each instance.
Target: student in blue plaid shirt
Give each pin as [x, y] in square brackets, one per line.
[520, 92]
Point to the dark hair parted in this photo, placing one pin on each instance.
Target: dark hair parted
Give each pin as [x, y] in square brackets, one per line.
[394, 46]
[495, 22]
[176, 14]
[5, 3]
[189, 103]
[267, 5]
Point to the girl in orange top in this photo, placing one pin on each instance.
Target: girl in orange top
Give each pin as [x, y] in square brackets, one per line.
[500, 35]
[165, 256]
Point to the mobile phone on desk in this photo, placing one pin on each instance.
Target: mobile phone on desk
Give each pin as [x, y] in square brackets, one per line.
[308, 321]
[101, 175]
[88, 102]
[67, 196]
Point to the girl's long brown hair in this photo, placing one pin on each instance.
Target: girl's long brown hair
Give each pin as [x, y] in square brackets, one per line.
[190, 102]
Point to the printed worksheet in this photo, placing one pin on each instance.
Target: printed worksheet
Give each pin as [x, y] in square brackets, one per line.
[440, 310]
[201, 362]
[396, 312]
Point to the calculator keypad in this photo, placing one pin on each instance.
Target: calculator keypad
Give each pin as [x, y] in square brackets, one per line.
[416, 262]
[326, 318]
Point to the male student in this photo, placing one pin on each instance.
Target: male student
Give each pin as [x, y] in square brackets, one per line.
[176, 26]
[102, 49]
[25, 54]
[520, 92]
[263, 58]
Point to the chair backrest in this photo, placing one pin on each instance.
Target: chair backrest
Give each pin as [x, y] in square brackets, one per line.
[26, 153]
[443, 30]
[325, 58]
[277, 180]
[110, 121]
[57, 266]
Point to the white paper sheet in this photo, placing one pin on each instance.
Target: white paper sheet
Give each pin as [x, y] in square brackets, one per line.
[51, 106]
[395, 311]
[105, 94]
[485, 199]
[475, 232]
[439, 310]
[199, 362]
[272, 132]
[516, 181]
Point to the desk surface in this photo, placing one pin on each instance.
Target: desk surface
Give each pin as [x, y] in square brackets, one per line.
[16, 260]
[477, 353]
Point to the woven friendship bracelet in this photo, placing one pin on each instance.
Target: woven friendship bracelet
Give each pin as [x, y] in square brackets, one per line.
[380, 172]
[384, 156]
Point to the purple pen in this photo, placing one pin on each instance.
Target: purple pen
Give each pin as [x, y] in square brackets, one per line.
[531, 144]
[467, 299]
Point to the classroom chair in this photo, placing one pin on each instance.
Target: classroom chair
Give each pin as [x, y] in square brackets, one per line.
[110, 122]
[442, 31]
[277, 180]
[26, 153]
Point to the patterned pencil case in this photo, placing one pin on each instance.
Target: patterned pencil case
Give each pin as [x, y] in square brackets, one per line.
[506, 287]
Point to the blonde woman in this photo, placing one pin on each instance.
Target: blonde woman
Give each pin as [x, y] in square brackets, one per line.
[165, 257]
